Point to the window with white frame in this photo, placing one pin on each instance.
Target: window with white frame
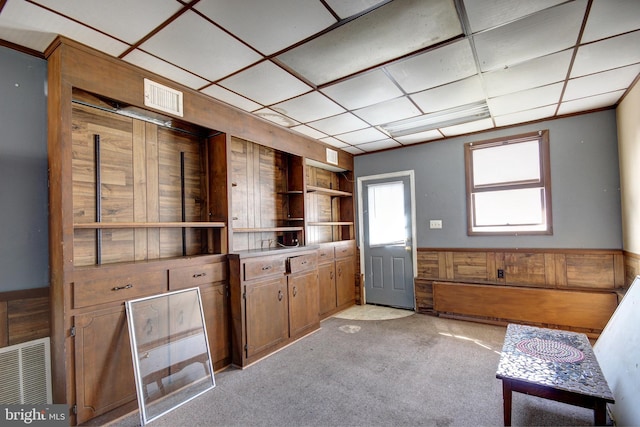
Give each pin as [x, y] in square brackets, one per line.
[509, 185]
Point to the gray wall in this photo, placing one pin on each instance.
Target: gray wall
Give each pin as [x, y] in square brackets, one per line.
[24, 241]
[585, 185]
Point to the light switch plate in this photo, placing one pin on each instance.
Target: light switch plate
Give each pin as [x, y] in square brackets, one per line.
[435, 223]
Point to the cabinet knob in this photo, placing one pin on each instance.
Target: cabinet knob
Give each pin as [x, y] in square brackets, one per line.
[295, 291]
[280, 295]
[266, 267]
[199, 275]
[119, 288]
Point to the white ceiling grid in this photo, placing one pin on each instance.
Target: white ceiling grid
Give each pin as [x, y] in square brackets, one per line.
[336, 70]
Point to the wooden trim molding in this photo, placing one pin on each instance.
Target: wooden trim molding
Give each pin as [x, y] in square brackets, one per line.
[24, 316]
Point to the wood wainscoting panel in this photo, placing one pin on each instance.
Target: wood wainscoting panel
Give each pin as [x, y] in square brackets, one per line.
[572, 309]
[469, 265]
[525, 268]
[590, 270]
[28, 319]
[631, 268]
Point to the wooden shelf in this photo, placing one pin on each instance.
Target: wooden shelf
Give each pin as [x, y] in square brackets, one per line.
[118, 225]
[328, 191]
[330, 223]
[266, 229]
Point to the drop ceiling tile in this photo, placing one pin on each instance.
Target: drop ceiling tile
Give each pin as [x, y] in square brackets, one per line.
[33, 27]
[434, 68]
[379, 145]
[362, 136]
[192, 43]
[609, 18]
[363, 90]
[590, 103]
[476, 126]
[309, 107]
[158, 66]
[268, 25]
[341, 123]
[265, 83]
[310, 132]
[485, 14]
[607, 81]
[231, 98]
[276, 117]
[536, 72]
[451, 95]
[387, 33]
[525, 100]
[345, 9]
[526, 116]
[545, 32]
[353, 150]
[334, 142]
[388, 111]
[607, 54]
[415, 138]
[126, 20]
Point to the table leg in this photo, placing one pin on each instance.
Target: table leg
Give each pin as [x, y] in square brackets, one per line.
[600, 413]
[506, 398]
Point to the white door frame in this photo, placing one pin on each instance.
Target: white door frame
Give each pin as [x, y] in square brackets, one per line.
[414, 251]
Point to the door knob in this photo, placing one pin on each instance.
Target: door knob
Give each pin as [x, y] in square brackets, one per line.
[407, 248]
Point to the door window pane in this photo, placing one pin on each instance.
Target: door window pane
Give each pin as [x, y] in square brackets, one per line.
[386, 214]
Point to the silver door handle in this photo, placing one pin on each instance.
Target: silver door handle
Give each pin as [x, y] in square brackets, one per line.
[407, 248]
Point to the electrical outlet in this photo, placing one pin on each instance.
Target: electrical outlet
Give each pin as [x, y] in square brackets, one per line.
[500, 273]
[435, 223]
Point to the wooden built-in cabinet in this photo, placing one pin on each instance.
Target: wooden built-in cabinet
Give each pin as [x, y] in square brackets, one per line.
[274, 300]
[144, 202]
[336, 269]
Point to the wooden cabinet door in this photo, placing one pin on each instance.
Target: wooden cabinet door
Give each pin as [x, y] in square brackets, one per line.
[216, 314]
[345, 281]
[303, 302]
[266, 314]
[104, 368]
[327, 287]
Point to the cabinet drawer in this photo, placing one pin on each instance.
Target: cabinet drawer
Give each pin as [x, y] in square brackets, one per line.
[302, 263]
[192, 276]
[345, 249]
[325, 254]
[118, 288]
[264, 267]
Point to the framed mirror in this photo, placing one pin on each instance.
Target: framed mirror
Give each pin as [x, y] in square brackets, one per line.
[170, 350]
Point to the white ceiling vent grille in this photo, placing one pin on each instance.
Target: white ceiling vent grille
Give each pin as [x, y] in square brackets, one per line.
[25, 373]
[332, 156]
[163, 98]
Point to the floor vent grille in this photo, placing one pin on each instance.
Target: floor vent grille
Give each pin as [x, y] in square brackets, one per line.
[163, 98]
[25, 373]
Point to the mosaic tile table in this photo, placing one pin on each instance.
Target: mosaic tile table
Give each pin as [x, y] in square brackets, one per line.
[552, 364]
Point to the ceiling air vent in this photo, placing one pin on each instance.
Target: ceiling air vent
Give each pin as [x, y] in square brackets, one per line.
[162, 98]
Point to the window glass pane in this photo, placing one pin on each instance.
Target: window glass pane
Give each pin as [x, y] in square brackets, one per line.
[509, 207]
[515, 162]
[386, 214]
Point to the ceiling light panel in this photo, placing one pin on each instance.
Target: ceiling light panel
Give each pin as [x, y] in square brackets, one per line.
[476, 126]
[345, 9]
[485, 14]
[31, 26]
[609, 18]
[126, 20]
[363, 90]
[448, 96]
[269, 25]
[341, 123]
[536, 72]
[607, 54]
[389, 32]
[429, 135]
[520, 101]
[231, 98]
[388, 111]
[545, 32]
[265, 83]
[193, 43]
[607, 81]
[158, 66]
[309, 107]
[590, 103]
[526, 116]
[437, 67]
